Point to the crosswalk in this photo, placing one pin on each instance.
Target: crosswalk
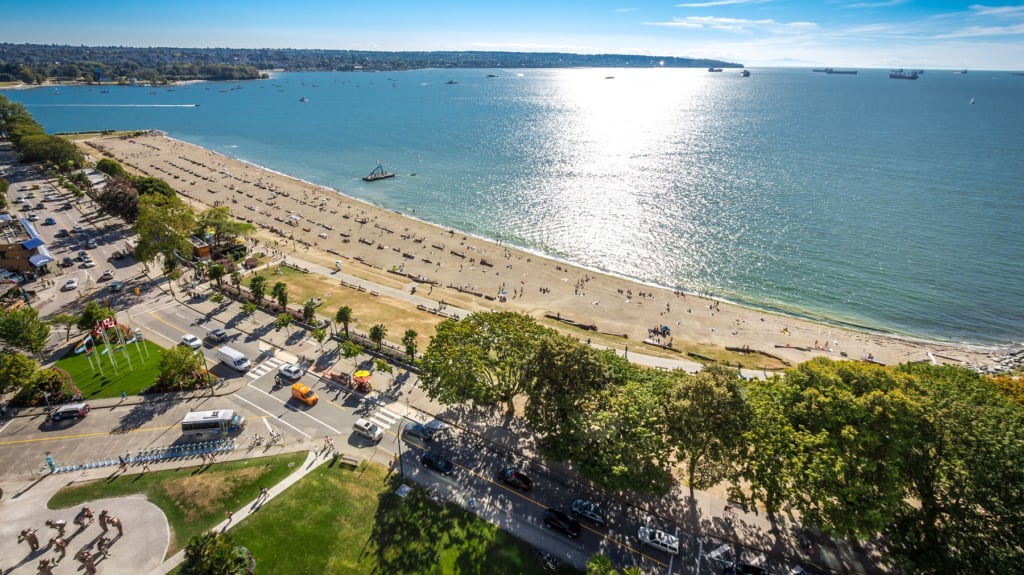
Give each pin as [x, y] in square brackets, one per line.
[266, 366]
[384, 417]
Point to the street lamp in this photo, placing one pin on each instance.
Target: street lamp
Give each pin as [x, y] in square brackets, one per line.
[46, 396]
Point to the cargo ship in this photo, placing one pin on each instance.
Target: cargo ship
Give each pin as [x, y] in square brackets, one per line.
[901, 75]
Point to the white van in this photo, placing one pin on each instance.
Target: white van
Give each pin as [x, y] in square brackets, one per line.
[368, 429]
[233, 358]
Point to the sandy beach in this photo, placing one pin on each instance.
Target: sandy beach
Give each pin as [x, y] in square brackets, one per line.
[323, 225]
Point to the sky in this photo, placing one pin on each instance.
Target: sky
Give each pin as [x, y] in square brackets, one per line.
[938, 34]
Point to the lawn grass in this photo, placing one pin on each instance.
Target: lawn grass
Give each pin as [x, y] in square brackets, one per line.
[352, 522]
[367, 309]
[108, 383]
[194, 499]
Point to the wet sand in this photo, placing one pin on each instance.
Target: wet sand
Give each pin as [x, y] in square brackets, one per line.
[323, 225]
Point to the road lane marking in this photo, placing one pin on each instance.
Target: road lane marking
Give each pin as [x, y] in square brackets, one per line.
[285, 404]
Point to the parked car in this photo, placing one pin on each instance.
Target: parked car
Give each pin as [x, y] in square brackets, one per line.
[216, 335]
[88, 263]
[69, 411]
[437, 462]
[115, 286]
[19, 200]
[90, 244]
[741, 568]
[77, 230]
[589, 511]
[49, 222]
[62, 233]
[33, 217]
[289, 371]
[67, 262]
[562, 521]
[659, 539]
[192, 341]
[303, 393]
[71, 284]
[516, 479]
[419, 430]
[66, 206]
[107, 275]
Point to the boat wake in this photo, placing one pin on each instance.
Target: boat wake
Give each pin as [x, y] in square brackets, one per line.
[116, 106]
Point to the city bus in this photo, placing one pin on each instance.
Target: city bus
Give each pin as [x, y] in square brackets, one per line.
[212, 424]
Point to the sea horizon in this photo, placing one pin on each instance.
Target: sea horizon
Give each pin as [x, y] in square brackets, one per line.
[704, 191]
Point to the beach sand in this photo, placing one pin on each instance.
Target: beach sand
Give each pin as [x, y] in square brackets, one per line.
[324, 226]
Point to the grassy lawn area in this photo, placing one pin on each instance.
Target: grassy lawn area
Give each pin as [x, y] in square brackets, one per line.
[194, 499]
[335, 520]
[354, 523]
[110, 383]
[367, 309]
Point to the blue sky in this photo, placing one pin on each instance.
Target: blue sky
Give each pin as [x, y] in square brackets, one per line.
[863, 33]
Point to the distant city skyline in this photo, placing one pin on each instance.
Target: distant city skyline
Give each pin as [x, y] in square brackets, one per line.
[841, 33]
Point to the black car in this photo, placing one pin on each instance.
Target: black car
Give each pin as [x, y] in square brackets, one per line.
[562, 521]
[63, 234]
[517, 479]
[741, 568]
[418, 430]
[67, 262]
[437, 462]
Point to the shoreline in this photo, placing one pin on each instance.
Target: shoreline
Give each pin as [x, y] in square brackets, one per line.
[597, 297]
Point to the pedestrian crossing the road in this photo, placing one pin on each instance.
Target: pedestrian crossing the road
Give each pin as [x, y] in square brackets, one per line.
[265, 367]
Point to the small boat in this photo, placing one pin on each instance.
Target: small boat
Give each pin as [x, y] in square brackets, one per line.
[104, 91]
[492, 75]
[901, 75]
[745, 73]
[303, 99]
[378, 173]
[450, 82]
[964, 71]
[714, 69]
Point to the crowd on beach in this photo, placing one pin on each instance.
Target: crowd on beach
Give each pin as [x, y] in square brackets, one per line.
[323, 225]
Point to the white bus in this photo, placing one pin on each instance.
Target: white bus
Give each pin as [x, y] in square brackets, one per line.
[212, 424]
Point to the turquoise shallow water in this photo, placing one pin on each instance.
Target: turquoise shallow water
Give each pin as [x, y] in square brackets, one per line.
[890, 205]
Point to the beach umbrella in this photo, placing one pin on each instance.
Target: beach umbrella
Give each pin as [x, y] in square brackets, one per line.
[361, 376]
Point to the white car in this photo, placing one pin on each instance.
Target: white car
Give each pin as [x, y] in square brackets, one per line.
[658, 539]
[107, 275]
[290, 371]
[88, 263]
[191, 341]
[71, 284]
[33, 217]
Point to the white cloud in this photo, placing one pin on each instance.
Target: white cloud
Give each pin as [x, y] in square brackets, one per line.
[736, 25]
[714, 3]
[883, 4]
[982, 10]
[982, 31]
[620, 10]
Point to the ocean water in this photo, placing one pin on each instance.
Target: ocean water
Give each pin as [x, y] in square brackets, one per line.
[890, 205]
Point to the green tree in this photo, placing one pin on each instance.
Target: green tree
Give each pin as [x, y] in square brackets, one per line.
[309, 311]
[258, 288]
[217, 272]
[111, 168]
[179, 367]
[284, 320]
[409, 341]
[21, 328]
[707, 417]
[377, 334]
[15, 369]
[91, 314]
[350, 349]
[482, 358]
[344, 317]
[236, 279]
[147, 186]
[280, 293]
[568, 383]
[164, 226]
[601, 565]
[65, 320]
[319, 335]
[383, 366]
[249, 309]
[214, 553]
[221, 230]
